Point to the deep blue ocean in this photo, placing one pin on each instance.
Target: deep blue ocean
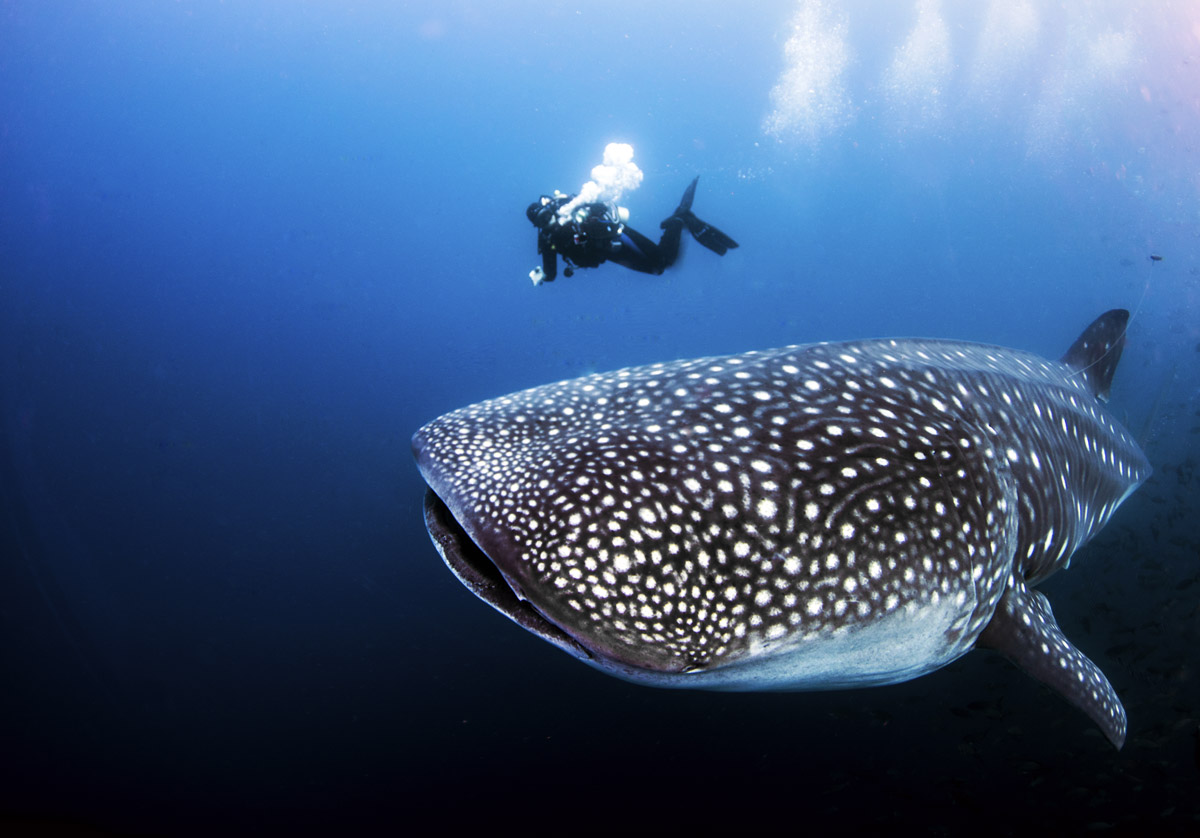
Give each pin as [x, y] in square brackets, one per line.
[248, 248]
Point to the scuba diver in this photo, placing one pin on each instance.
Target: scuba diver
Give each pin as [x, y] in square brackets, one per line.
[596, 233]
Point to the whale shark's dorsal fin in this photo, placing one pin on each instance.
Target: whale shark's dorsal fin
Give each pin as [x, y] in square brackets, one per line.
[1024, 630]
[1094, 355]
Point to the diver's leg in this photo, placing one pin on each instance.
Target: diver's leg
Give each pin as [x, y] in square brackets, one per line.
[668, 244]
[672, 227]
[636, 252]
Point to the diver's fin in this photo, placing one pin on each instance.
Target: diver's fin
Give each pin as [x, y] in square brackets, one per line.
[684, 209]
[685, 203]
[708, 235]
[701, 231]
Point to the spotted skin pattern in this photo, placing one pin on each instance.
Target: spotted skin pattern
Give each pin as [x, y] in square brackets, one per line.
[813, 517]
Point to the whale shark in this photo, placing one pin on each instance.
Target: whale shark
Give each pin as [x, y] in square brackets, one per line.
[815, 517]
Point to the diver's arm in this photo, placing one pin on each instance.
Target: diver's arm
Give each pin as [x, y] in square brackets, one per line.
[549, 267]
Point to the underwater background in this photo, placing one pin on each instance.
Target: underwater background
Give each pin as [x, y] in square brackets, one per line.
[247, 248]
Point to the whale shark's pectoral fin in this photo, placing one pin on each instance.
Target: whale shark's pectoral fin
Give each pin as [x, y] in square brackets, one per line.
[1023, 629]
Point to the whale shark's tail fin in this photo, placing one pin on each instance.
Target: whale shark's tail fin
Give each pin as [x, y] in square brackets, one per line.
[1095, 353]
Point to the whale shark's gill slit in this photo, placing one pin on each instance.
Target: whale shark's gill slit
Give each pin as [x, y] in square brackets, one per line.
[956, 631]
[847, 501]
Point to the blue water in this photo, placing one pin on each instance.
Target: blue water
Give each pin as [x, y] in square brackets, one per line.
[246, 249]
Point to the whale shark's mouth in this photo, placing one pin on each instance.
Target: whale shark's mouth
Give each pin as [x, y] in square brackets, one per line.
[483, 578]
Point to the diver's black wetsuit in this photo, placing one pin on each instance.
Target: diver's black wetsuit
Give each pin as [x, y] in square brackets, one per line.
[592, 236]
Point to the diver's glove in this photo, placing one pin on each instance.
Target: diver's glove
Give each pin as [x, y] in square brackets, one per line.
[537, 275]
